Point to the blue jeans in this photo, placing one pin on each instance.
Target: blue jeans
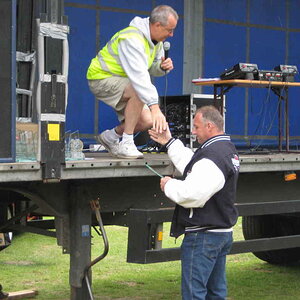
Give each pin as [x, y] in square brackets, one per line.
[203, 262]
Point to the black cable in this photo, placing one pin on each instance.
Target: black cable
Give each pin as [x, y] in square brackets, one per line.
[274, 115]
[262, 113]
[165, 94]
[157, 147]
[96, 207]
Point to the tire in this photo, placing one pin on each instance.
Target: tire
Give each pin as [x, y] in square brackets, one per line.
[268, 226]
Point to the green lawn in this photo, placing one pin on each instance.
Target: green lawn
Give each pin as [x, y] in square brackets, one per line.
[36, 262]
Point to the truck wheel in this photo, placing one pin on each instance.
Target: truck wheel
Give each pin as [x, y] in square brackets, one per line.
[255, 227]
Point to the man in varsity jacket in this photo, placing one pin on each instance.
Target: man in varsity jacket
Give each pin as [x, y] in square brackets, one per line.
[204, 197]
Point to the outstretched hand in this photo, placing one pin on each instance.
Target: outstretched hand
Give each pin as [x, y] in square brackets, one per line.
[158, 118]
[160, 137]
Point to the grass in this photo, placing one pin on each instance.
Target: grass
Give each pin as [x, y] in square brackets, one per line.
[36, 262]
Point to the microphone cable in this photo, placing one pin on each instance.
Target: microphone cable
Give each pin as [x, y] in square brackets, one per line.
[166, 47]
[165, 94]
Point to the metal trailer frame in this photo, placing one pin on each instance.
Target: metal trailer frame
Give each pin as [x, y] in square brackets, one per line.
[261, 191]
[68, 199]
[65, 189]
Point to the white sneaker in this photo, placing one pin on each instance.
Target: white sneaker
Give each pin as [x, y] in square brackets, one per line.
[129, 150]
[111, 147]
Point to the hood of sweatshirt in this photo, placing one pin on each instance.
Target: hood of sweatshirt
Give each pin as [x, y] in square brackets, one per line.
[143, 25]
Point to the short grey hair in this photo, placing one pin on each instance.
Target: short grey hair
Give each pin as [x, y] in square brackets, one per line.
[211, 114]
[161, 14]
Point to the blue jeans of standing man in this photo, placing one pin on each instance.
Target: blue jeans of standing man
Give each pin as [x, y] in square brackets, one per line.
[203, 262]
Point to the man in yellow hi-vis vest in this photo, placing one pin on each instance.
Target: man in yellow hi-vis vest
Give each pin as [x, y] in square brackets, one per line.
[120, 77]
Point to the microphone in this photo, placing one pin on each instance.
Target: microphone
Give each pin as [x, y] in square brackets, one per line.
[167, 47]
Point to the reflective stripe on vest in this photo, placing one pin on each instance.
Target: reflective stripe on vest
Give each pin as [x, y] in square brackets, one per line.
[109, 57]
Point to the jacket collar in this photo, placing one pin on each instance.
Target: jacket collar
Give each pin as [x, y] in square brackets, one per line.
[214, 139]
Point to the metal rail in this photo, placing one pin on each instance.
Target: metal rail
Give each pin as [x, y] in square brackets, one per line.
[104, 166]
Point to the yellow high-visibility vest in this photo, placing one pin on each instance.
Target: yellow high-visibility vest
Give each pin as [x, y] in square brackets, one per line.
[107, 62]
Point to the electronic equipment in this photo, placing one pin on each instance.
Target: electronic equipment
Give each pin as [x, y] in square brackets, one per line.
[288, 72]
[241, 71]
[180, 111]
[270, 75]
[251, 72]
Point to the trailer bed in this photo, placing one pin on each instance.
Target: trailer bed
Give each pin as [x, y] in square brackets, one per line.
[102, 165]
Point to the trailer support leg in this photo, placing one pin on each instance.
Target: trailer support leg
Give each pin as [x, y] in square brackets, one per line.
[80, 250]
